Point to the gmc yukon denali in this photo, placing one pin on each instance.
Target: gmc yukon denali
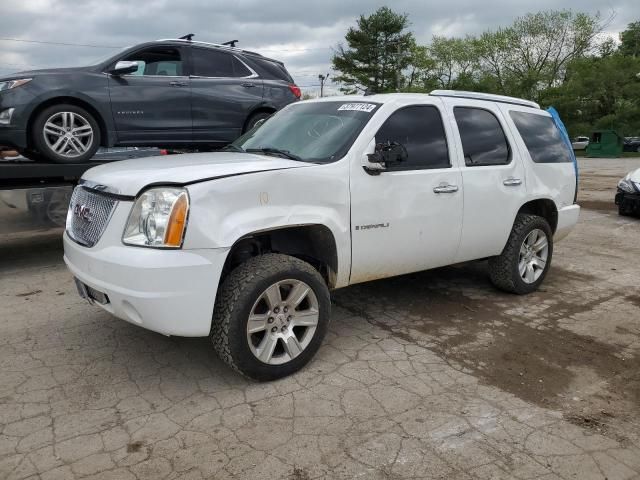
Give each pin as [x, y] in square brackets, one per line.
[244, 245]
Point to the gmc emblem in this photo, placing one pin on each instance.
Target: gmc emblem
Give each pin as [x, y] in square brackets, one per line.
[83, 212]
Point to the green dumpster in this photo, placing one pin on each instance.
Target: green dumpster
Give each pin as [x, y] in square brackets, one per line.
[605, 143]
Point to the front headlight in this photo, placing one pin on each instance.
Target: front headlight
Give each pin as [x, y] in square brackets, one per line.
[9, 84]
[158, 218]
[626, 185]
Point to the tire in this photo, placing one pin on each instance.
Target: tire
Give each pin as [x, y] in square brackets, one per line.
[253, 119]
[244, 292]
[622, 211]
[504, 269]
[61, 119]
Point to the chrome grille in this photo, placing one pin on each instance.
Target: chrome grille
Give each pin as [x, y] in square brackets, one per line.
[89, 214]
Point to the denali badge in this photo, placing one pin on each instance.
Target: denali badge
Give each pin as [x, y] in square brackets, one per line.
[83, 212]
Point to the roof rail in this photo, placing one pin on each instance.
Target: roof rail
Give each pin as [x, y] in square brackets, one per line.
[208, 44]
[484, 96]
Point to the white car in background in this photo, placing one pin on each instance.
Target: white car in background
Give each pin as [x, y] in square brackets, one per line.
[628, 194]
[580, 143]
[244, 245]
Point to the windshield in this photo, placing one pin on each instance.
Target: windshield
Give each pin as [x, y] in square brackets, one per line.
[319, 132]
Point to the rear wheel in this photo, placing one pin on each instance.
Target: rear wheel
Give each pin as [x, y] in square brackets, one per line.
[526, 258]
[255, 118]
[271, 315]
[66, 134]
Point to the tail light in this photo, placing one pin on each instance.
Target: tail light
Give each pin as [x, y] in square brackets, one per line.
[295, 90]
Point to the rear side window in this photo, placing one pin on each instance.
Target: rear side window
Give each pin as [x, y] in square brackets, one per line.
[211, 63]
[483, 140]
[268, 69]
[420, 130]
[542, 138]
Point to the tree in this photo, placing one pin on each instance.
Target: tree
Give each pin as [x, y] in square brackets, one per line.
[599, 92]
[630, 40]
[455, 62]
[533, 53]
[376, 54]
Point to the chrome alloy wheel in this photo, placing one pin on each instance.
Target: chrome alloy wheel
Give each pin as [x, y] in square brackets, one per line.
[534, 253]
[68, 134]
[282, 322]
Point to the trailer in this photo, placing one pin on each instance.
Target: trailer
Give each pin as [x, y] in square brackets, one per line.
[34, 196]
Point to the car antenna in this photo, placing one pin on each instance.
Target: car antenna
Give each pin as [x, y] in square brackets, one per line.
[188, 37]
[231, 43]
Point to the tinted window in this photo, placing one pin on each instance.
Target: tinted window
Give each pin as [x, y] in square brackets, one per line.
[542, 138]
[483, 140]
[421, 131]
[211, 63]
[239, 69]
[157, 61]
[268, 69]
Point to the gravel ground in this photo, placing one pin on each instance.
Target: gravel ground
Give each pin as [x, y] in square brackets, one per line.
[430, 375]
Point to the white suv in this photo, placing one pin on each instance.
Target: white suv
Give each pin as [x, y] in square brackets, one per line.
[244, 245]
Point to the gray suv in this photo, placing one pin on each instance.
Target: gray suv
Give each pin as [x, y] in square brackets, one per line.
[166, 93]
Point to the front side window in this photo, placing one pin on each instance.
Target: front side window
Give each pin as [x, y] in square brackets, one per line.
[420, 130]
[206, 62]
[157, 61]
[483, 140]
[319, 132]
[542, 138]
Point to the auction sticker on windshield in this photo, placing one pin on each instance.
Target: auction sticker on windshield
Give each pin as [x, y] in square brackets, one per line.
[358, 107]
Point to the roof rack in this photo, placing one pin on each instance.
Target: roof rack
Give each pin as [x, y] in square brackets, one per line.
[209, 44]
[484, 96]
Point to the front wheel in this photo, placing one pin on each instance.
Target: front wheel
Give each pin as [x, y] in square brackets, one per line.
[66, 134]
[526, 258]
[270, 317]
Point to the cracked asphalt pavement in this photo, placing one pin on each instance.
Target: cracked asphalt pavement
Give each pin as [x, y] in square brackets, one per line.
[430, 375]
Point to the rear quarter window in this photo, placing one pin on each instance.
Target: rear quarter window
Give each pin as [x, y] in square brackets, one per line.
[541, 137]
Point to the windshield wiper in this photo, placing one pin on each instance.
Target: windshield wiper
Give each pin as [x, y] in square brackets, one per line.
[276, 151]
[232, 148]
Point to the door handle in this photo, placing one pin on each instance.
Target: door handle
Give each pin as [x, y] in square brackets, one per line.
[248, 84]
[512, 182]
[178, 84]
[444, 188]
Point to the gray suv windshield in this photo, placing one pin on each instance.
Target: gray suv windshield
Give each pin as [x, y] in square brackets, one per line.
[312, 132]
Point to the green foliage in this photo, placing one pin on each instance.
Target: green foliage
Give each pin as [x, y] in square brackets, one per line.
[630, 40]
[553, 57]
[375, 53]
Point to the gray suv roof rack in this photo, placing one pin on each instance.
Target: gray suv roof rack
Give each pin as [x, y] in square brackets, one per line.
[484, 96]
[208, 44]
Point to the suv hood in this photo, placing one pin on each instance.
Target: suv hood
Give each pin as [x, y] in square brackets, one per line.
[634, 176]
[129, 177]
[36, 73]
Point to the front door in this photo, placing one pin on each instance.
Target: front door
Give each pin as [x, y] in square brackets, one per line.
[223, 93]
[493, 177]
[408, 217]
[152, 105]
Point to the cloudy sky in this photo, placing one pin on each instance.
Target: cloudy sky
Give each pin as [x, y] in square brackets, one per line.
[302, 34]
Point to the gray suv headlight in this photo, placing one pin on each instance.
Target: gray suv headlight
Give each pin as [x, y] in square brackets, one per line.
[158, 218]
[9, 84]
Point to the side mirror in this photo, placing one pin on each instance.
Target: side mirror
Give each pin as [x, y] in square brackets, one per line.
[124, 68]
[388, 154]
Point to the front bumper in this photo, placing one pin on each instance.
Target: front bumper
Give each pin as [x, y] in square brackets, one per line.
[629, 202]
[13, 137]
[567, 219]
[168, 291]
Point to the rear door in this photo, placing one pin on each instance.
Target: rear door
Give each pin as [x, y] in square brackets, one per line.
[224, 90]
[551, 173]
[153, 104]
[493, 177]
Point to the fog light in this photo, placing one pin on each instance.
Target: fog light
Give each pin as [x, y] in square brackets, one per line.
[5, 116]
